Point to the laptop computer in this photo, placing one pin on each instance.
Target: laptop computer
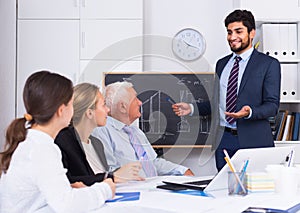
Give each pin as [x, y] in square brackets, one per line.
[259, 158]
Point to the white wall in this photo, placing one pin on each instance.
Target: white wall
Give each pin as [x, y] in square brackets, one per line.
[7, 64]
[162, 20]
[166, 18]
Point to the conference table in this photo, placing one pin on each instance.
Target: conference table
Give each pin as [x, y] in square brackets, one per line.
[156, 200]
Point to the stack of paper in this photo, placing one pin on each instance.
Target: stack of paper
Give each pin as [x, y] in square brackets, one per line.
[259, 182]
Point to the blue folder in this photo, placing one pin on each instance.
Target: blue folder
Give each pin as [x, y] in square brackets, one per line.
[125, 196]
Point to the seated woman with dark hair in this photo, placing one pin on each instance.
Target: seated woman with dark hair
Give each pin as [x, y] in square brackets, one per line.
[32, 175]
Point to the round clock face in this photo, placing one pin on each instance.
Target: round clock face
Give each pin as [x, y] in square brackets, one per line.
[188, 44]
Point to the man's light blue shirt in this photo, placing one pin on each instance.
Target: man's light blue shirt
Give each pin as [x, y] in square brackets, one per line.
[119, 151]
[224, 80]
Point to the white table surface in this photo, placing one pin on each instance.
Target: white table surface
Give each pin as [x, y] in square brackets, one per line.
[159, 200]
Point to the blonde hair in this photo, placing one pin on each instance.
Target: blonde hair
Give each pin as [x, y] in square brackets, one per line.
[85, 97]
[116, 92]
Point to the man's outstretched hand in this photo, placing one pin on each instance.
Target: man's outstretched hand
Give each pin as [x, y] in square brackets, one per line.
[181, 109]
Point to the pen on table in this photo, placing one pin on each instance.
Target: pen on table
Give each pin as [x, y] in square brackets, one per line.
[227, 159]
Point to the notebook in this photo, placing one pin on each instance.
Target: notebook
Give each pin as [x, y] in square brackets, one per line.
[259, 158]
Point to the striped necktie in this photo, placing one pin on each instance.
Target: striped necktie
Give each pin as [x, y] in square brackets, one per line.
[140, 153]
[232, 86]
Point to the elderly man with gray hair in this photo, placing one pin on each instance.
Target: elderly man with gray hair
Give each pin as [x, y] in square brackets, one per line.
[123, 141]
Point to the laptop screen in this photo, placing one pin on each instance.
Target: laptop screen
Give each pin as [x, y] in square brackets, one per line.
[259, 158]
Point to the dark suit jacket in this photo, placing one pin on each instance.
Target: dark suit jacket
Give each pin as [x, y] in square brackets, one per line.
[74, 158]
[260, 89]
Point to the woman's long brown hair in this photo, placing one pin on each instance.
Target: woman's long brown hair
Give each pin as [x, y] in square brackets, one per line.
[43, 93]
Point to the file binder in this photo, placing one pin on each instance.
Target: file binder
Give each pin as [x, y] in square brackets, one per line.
[292, 41]
[284, 51]
[289, 82]
[271, 39]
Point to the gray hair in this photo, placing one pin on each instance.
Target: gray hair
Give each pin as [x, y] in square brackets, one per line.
[85, 97]
[116, 92]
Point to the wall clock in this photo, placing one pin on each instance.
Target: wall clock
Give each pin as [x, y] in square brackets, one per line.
[188, 44]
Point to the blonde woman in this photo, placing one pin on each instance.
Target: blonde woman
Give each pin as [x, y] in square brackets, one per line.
[83, 155]
[32, 175]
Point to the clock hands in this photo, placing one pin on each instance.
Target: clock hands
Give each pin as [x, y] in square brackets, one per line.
[190, 45]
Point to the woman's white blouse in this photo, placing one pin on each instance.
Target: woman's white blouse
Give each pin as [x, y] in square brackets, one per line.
[37, 181]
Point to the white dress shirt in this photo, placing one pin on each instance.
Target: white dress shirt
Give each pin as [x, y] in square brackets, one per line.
[224, 81]
[119, 151]
[36, 181]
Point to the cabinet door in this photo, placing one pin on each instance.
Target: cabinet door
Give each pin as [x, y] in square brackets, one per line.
[103, 9]
[46, 45]
[45, 9]
[107, 39]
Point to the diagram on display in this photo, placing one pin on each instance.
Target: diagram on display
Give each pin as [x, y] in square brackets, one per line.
[157, 92]
[154, 120]
[157, 121]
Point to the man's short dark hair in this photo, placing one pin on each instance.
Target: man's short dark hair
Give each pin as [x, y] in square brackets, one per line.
[243, 16]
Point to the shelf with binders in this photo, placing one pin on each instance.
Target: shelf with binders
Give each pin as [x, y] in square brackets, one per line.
[280, 38]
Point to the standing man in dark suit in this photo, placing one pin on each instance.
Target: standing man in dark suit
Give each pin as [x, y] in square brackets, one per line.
[249, 91]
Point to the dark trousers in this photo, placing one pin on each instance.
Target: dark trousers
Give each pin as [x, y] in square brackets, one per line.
[231, 144]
